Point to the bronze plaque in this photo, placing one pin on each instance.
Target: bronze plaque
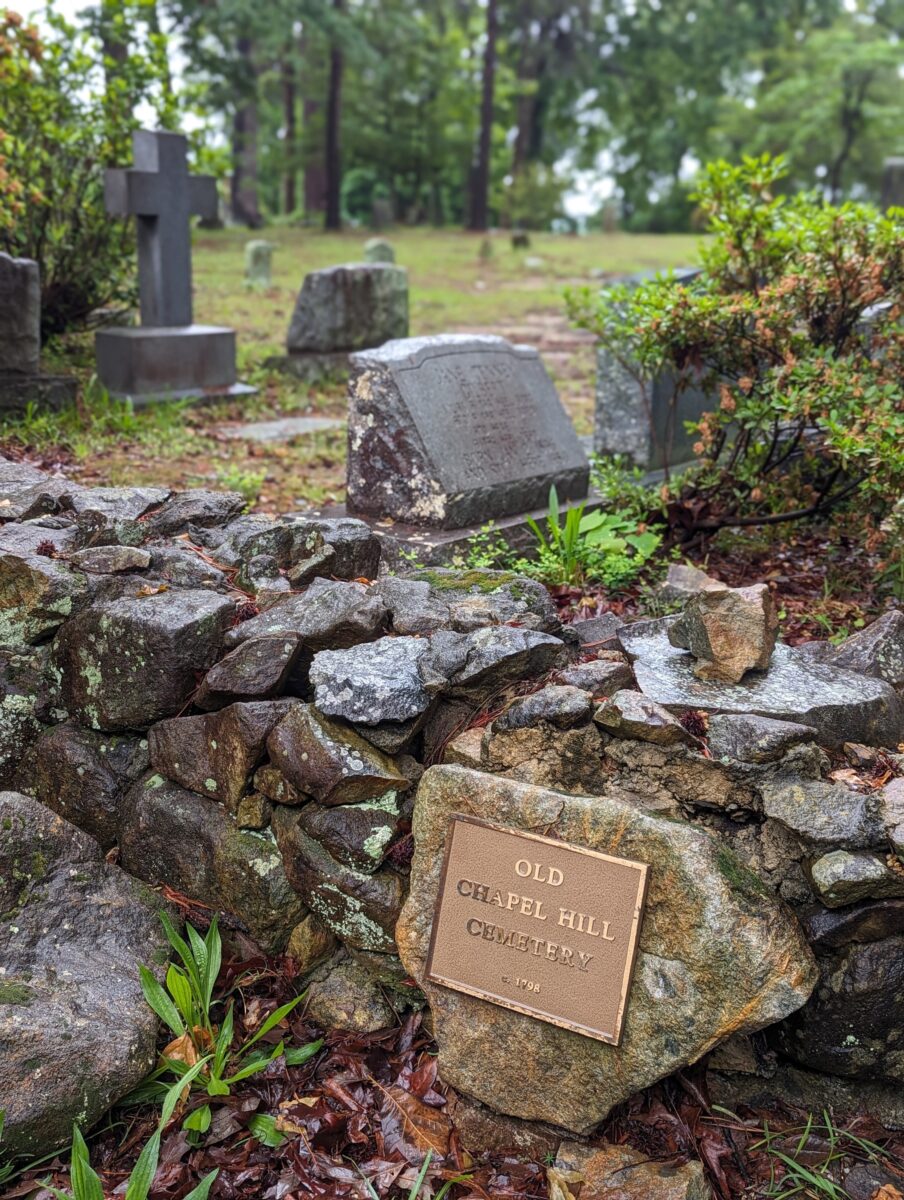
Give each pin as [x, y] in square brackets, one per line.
[537, 925]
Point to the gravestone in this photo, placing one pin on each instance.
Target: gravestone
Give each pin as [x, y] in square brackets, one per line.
[893, 183]
[342, 309]
[448, 433]
[378, 250]
[259, 264]
[644, 419]
[167, 356]
[21, 379]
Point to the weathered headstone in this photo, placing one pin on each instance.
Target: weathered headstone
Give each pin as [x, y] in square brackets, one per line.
[342, 309]
[893, 183]
[453, 431]
[644, 419]
[258, 263]
[21, 380]
[167, 356]
[378, 250]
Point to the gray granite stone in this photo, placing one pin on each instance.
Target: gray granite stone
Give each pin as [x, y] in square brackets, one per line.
[841, 878]
[20, 316]
[329, 613]
[556, 705]
[823, 815]
[753, 739]
[371, 683]
[631, 715]
[600, 678]
[877, 650]
[378, 250]
[111, 560]
[457, 430]
[841, 705]
[349, 307]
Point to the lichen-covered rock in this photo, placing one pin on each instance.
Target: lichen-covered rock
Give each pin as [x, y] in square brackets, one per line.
[253, 811]
[37, 594]
[446, 598]
[560, 706]
[840, 705]
[310, 943]
[270, 782]
[600, 677]
[717, 955]
[111, 560]
[360, 908]
[729, 631]
[823, 815]
[349, 307]
[197, 508]
[257, 669]
[571, 760]
[877, 650]
[357, 835]
[329, 762]
[75, 1031]
[622, 1173]
[355, 546]
[840, 878]
[22, 707]
[83, 776]
[683, 580]
[632, 715]
[482, 663]
[753, 739]
[346, 998]
[852, 1024]
[599, 633]
[215, 754]
[133, 661]
[891, 810]
[330, 613]
[374, 682]
[173, 836]
[184, 568]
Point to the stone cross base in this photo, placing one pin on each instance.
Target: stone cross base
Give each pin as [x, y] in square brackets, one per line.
[174, 363]
[46, 392]
[405, 546]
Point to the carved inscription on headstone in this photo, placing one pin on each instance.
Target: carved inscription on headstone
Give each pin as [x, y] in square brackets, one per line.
[537, 925]
[457, 430]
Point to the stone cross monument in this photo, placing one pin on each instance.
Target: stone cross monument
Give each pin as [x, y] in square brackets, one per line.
[167, 356]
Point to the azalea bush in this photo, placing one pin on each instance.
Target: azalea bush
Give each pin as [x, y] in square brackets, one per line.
[795, 325]
[67, 111]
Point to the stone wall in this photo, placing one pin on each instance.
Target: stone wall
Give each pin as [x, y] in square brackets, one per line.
[244, 708]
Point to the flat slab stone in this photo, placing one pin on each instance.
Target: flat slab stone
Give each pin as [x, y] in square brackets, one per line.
[280, 431]
[717, 954]
[457, 430]
[840, 705]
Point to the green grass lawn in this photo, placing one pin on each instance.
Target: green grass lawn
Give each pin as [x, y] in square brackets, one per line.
[517, 293]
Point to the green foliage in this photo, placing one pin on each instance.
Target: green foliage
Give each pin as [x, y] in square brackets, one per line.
[66, 112]
[84, 1180]
[246, 482]
[185, 1005]
[810, 410]
[572, 547]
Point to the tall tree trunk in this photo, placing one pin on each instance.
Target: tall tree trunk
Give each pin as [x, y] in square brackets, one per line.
[480, 176]
[290, 105]
[332, 147]
[244, 185]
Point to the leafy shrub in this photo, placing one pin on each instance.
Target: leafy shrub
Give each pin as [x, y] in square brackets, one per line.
[795, 324]
[63, 119]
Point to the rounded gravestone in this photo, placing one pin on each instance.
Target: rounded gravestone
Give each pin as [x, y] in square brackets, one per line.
[377, 250]
[258, 263]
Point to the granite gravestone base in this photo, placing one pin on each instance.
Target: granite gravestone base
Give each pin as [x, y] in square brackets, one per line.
[447, 434]
[340, 310]
[21, 380]
[167, 356]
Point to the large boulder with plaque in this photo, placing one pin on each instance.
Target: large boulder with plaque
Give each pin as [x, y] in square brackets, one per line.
[568, 969]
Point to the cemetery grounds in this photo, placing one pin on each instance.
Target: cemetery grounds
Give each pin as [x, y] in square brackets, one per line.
[517, 294]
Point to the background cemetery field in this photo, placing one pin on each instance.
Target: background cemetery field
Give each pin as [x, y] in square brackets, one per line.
[516, 293]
